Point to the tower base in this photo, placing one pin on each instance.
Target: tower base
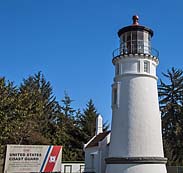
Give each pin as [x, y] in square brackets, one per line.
[136, 168]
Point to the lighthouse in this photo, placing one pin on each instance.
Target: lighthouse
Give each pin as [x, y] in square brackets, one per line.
[136, 138]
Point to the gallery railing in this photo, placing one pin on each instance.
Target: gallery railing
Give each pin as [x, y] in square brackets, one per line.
[135, 49]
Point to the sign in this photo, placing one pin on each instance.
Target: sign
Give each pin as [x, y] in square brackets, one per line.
[33, 158]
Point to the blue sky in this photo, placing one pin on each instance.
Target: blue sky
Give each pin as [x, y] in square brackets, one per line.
[71, 42]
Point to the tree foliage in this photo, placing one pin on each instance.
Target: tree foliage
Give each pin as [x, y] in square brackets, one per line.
[171, 106]
[87, 121]
[8, 98]
[36, 108]
[30, 114]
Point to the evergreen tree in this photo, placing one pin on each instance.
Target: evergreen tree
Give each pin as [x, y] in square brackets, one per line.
[8, 98]
[87, 121]
[36, 109]
[70, 134]
[170, 96]
[30, 114]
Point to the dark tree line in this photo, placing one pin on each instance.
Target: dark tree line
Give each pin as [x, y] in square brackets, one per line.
[171, 106]
[30, 114]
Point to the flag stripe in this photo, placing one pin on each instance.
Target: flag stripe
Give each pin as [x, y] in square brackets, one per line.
[52, 159]
[46, 156]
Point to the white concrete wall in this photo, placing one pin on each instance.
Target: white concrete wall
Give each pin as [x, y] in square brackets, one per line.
[104, 151]
[135, 65]
[136, 124]
[136, 121]
[91, 159]
[98, 154]
[136, 168]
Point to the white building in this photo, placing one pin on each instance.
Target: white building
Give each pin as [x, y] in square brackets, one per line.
[72, 167]
[96, 150]
[135, 143]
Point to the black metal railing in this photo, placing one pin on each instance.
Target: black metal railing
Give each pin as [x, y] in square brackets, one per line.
[135, 49]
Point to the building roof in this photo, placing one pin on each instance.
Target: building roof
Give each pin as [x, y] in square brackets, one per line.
[94, 142]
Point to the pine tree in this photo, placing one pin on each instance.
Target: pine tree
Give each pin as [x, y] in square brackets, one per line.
[87, 121]
[8, 98]
[30, 114]
[36, 109]
[70, 134]
[171, 107]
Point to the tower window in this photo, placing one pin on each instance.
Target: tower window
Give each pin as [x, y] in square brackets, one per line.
[146, 66]
[138, 67]
[117, 69]
[115, 95]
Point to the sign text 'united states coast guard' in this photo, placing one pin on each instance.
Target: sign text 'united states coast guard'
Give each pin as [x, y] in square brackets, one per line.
[33, 158]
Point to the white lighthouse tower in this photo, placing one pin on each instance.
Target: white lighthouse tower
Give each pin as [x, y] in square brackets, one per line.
[136, 138]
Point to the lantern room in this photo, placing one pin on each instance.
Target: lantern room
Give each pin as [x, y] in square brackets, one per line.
[135, 39]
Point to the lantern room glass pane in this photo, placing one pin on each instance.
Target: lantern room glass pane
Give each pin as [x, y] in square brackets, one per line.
[134, 47]
[146, 43]
[140, 46]
[146, 37]
[140, 35]
[128, 36]
[134, 35]
[123, 38]
[135, 42]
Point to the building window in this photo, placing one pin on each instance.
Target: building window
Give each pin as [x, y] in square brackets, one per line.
[146, 66]
[81, 168]
[67, 168]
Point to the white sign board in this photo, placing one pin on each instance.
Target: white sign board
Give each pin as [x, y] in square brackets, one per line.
[33, 158]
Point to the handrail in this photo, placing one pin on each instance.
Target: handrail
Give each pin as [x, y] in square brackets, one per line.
[135, 49]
